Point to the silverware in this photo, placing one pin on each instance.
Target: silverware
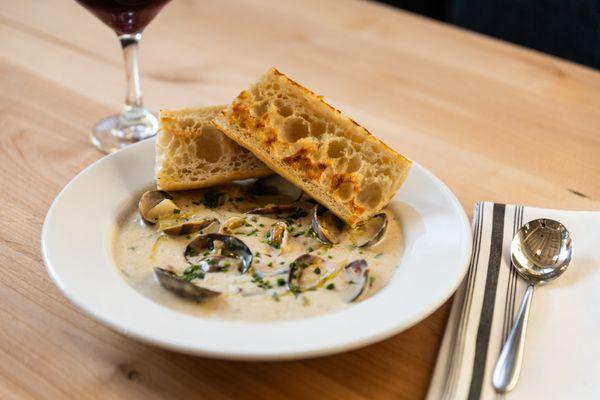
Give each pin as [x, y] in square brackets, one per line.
[541, 251]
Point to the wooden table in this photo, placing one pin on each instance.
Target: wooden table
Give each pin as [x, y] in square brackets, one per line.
[494, 121]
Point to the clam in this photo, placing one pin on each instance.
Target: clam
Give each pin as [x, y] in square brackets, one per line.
[355, 279]
[233, 224]
[173, 283]
[371, 232]
[187, 227]
[218, 244]
[279, 209]
[276, 190]
[218, 263]
[327, 226]
[156, 204]
[306, 272]
[277, 235]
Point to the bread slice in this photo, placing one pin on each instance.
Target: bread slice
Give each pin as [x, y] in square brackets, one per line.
[308, 142]
[191, 153]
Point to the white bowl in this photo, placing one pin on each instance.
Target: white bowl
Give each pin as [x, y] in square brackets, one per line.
[77, 251]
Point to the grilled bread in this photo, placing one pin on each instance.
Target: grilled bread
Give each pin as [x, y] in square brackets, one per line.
[305, 140]
[191, 153]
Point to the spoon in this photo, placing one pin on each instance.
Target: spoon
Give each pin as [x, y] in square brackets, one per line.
[540, 251]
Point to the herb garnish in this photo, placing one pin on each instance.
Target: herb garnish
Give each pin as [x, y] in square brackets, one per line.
[261, 282]
[331, 286]
[192, 272]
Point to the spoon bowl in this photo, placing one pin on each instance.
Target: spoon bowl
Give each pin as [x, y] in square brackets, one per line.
[541, 250]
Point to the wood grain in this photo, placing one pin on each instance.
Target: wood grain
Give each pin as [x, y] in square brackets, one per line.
[494, 121]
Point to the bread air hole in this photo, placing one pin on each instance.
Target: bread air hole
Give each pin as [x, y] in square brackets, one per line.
[259, 109]
[336, 149]
[294, 129]
[317, 128]
[345, 191]
[283, 110]
[211, 149]
[370, 196]
[353, 164]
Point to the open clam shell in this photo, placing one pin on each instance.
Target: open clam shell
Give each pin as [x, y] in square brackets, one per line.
[307, 272]
[371, 232]
[355, 278]
[275, 189]
[156, 204]
[327, 226]
[277, 235]
[218, 244]
[173, 283]
[278, 209]
[187, 227]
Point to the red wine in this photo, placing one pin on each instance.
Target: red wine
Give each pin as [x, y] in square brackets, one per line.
[125, 16]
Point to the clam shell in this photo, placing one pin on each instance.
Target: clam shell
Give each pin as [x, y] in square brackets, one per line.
[173, 283]
[307, 272]
[155, 204]
[227, 245]
[185, 228]
[277, 235]
[278, 209]
[374, 228]
[277, 188]
[356, 277]
[327, 226]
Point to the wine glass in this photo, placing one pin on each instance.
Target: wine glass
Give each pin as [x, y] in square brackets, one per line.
[127, 18]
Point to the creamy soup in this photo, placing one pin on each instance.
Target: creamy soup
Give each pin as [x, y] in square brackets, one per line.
[321, 280]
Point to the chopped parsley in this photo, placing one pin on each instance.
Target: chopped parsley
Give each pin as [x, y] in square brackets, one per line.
[177, 211]
[192, 272]
[280, 282]
[317, 271]
[331, 286]
[261, 282]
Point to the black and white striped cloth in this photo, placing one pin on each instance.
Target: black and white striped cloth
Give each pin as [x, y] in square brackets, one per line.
[562, 352]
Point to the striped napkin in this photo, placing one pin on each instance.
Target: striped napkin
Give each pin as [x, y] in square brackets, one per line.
[562, 350]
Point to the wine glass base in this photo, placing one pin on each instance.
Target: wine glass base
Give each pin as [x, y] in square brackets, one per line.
[112, 133]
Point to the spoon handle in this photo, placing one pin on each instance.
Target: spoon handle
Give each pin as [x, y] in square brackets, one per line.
[508, 367]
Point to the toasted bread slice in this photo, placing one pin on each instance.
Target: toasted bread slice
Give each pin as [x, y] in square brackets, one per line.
[191, 153]
[308, 142]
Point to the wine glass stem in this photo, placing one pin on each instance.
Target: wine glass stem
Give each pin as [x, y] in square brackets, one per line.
[133, 109]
